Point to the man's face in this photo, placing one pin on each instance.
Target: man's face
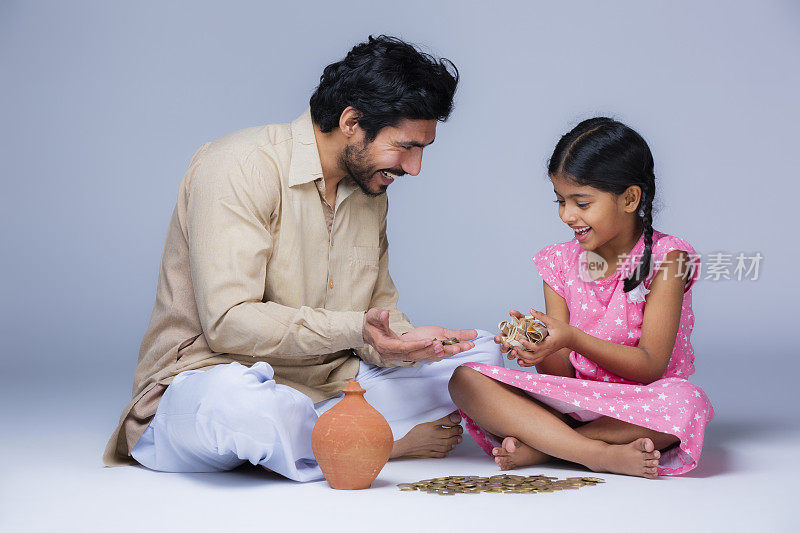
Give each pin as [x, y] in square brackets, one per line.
[396, 151]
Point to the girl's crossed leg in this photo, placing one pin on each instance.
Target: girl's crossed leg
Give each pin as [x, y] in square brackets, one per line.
[535, 433]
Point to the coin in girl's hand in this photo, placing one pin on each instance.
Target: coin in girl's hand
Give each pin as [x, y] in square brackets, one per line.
[527, 328]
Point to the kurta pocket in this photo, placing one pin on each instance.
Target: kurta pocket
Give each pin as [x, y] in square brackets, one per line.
[365, 256]
[362, 276]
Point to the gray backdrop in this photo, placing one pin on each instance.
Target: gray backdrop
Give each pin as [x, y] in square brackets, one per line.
[102, 104]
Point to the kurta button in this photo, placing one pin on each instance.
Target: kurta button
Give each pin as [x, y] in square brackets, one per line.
[331, 284]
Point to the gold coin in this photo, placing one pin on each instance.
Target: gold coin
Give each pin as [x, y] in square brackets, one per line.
[507, 483]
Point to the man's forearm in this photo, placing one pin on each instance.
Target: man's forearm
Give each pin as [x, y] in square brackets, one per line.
[268, 328]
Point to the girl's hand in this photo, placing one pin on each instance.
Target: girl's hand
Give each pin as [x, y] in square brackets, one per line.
[559, 335]
[498, 339]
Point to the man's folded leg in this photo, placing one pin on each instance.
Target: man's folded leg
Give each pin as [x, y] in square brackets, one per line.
[216, 419]
[407, 396]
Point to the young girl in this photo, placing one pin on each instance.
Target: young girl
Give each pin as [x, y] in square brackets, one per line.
[611, 390]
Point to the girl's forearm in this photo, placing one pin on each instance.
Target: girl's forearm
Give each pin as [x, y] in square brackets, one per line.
[630, 362]
[557, 364]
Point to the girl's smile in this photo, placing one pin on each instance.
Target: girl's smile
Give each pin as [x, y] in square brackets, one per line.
[582, 233]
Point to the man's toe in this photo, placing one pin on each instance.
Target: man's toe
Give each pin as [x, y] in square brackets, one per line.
[449, 420]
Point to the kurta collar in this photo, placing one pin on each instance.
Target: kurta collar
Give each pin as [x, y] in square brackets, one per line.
[305, 165]
[346, 187]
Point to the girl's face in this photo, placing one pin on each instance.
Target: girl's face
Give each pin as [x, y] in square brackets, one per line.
[598, 218]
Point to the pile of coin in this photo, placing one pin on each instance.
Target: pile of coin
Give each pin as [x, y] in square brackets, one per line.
[505, 483]
[450, 341]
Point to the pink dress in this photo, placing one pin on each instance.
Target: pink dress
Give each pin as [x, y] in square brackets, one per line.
[602, 308]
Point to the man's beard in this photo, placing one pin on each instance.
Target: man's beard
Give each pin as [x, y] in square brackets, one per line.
[355, 160]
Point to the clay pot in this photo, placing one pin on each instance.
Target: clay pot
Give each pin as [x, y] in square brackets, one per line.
[351, 441]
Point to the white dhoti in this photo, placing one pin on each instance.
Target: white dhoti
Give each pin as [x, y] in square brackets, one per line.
[216, 419]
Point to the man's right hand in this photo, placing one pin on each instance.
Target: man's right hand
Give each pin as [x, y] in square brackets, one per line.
[377, 334]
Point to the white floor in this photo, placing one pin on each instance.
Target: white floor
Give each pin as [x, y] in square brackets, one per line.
[51, 479]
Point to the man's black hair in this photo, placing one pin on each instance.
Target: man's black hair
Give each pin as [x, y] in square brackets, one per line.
[386, 80]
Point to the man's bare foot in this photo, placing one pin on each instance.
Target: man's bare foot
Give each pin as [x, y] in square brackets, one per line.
[430, 439]
[638, 458]
[515, 454]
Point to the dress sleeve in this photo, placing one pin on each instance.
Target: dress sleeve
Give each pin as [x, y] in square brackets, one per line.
[667, 244]
[550, 264]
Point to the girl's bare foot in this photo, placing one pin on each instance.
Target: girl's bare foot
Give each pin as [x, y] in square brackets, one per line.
[430, 439]
[515, 454]
[638, 458]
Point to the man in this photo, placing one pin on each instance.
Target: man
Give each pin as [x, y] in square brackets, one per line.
[274, 289]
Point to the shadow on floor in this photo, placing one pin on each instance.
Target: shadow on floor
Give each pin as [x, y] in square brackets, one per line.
[721, 436]
[731, 430]
[244, 476]
[248, 475]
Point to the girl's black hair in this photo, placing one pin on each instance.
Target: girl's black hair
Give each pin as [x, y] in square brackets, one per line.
[386, 80]
[608, 155]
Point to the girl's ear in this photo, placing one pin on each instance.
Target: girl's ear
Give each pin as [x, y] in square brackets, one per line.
[632, 198]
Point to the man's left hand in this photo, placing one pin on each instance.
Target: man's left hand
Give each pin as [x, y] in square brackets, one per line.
[439, 333]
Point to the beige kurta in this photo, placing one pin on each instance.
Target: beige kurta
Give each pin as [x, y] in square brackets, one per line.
[252, 272]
